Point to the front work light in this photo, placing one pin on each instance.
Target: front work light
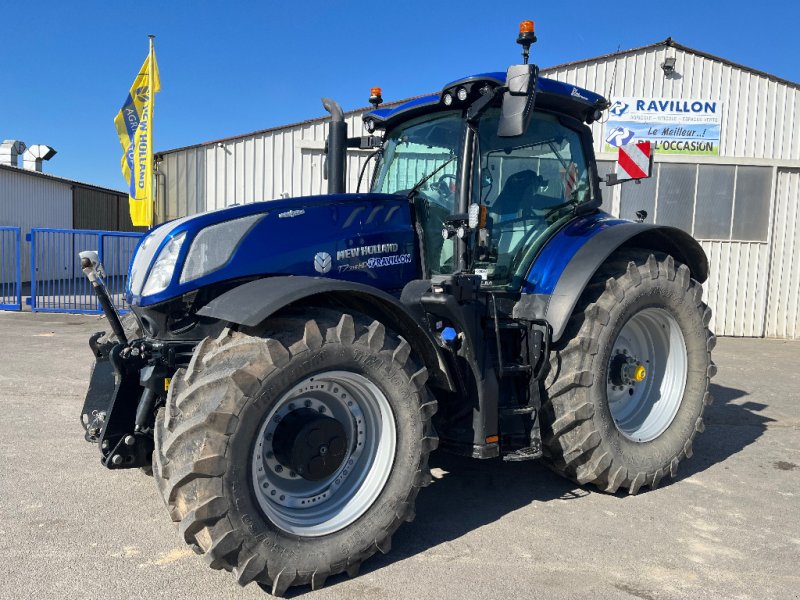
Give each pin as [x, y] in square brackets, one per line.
[161, 272]
[214, 246]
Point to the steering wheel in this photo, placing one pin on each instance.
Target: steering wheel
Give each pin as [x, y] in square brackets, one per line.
[443, 185]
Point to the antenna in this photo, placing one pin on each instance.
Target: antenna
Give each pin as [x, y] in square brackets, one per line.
[614, 74]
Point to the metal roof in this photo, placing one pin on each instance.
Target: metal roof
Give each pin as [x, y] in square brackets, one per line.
[425, 98]
[82, 184]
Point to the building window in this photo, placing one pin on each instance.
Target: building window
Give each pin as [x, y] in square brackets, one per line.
[604, 167]
[676, 185]
[714, 206]
[751, 208]
[639, 196]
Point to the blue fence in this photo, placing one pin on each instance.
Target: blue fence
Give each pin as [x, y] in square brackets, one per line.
[57, 282]
[10, 279]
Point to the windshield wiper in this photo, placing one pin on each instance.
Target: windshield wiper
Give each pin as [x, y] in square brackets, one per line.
[422, 181]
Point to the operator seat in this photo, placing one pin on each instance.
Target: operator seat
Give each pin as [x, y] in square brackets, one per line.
[517, 194]
[513, 214]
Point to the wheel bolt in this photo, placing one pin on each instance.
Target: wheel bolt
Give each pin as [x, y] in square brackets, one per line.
[307, 403]
[278, 469]
[291, 406]
[292, 474]
[322, 409]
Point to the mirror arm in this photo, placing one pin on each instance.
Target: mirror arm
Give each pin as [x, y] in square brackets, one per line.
[477, 108]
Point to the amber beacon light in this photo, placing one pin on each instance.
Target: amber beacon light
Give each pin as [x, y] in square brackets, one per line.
[375, 97]
[525, 38]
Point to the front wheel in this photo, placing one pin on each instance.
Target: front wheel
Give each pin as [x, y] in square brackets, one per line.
[294, 453]
[629, 381]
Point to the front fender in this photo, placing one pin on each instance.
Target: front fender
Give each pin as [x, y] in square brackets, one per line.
[252, 303]
[568, 261]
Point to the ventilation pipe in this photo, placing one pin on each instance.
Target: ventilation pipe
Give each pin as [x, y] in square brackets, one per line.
[10, 151]
[34, 155]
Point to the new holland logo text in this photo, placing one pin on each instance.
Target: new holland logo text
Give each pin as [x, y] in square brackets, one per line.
[360, 251]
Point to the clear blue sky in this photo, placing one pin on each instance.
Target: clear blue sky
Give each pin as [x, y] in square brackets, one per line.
[230, 67]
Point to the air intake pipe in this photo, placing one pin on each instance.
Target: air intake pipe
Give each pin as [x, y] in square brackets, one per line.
[335, 148]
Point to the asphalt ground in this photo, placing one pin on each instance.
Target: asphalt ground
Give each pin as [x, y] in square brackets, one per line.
[727, 527]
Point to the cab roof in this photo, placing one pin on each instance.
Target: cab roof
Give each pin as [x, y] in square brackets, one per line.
[550, 94]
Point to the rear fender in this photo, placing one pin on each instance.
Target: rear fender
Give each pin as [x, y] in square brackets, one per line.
[560, 273]
[252, 303]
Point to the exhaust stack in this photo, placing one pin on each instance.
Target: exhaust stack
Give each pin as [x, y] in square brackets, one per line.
[335, 148]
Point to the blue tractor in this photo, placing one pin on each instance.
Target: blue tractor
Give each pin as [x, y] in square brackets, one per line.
[288, 366]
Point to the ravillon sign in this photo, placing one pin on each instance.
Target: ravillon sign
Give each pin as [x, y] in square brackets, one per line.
[674, 126]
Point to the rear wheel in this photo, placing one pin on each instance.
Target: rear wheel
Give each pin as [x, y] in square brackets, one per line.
[295, 453]
[629, 380]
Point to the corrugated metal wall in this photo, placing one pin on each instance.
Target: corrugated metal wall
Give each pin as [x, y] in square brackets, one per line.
[760, 116]
[28, 201]
[264, 166]
[98, 209]
[783, 313]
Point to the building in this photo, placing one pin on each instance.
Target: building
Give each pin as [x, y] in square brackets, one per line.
[30, 198]
[727, 170]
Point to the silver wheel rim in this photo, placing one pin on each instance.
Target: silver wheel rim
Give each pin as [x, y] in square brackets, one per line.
[314, 508]
[644, 409]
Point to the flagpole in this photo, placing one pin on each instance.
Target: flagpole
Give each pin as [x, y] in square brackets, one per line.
[153, 186]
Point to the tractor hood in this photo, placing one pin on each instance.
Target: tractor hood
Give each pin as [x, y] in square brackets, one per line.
[360, 237]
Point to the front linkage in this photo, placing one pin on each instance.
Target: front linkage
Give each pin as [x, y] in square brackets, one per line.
[129, 382]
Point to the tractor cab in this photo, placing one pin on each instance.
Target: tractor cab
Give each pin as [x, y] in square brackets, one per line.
[494, 165]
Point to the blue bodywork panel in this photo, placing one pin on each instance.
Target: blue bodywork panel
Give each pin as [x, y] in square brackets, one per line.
[369, 238]
[561, 248]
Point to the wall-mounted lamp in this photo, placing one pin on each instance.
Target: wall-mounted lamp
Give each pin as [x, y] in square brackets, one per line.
[668, 66]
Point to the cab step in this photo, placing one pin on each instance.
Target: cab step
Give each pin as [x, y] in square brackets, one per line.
[520, 454]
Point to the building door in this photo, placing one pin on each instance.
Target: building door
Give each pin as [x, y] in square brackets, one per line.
[783, 309]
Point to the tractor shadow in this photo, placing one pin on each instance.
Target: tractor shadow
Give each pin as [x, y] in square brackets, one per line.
[731, 426]
[467, 494]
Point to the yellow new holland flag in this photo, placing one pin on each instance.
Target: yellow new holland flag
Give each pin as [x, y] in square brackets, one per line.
[135, 129]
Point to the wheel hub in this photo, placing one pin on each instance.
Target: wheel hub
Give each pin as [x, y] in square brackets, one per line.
[323, 453]
[310, 444]
[647, 373]
[626, 370]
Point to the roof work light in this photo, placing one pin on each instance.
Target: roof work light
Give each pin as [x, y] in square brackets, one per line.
[375, 97]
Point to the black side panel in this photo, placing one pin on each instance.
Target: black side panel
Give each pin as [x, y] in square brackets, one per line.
[588, 259]
[252, 303]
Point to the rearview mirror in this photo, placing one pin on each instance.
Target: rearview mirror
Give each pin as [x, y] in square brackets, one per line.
[518, 100]
[634, 162]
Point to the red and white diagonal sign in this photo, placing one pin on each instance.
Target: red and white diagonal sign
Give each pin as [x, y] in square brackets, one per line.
[634, 160]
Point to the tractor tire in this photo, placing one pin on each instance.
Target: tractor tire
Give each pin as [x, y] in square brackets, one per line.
[628, 381]
[231, 447]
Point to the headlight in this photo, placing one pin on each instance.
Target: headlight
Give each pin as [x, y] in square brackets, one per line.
[162, 270]
[214, 245]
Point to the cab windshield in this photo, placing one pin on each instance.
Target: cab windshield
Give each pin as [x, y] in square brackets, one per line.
[423, 156]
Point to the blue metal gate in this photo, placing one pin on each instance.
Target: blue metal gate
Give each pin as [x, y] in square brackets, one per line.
[10, 280]
[57, 282]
